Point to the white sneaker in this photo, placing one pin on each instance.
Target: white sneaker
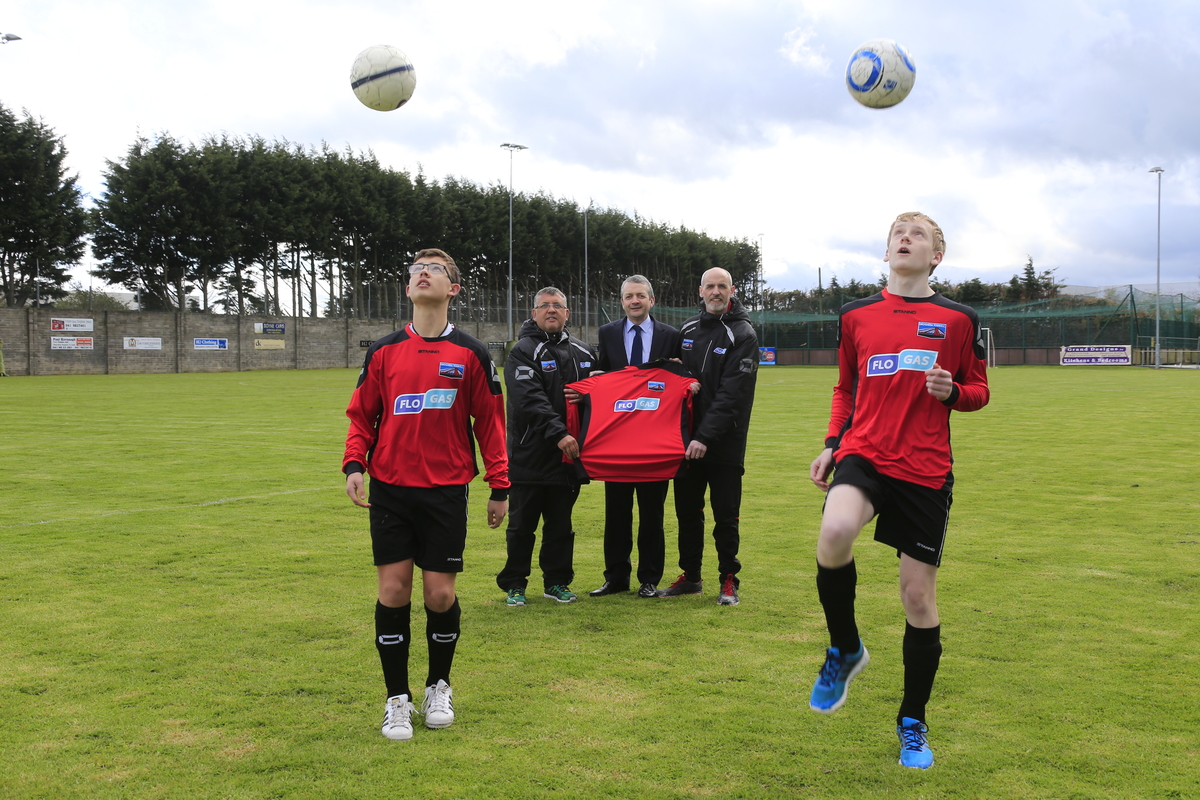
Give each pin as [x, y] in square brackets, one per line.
[439, 705]
[397, 718]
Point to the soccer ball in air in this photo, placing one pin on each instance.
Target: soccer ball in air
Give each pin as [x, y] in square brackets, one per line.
[880, 73]
[383, 78]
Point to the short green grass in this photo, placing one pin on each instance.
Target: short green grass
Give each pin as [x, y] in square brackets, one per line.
[186, 612]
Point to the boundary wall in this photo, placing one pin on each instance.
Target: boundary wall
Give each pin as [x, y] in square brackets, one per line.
[304, 343]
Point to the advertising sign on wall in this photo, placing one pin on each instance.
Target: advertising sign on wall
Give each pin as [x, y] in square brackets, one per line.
[61, 324]
[142, 343]
[211, 344]
[1110, 354]
[71, 342]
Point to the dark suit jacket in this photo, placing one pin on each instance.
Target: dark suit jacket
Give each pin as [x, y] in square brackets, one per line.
[665, 344]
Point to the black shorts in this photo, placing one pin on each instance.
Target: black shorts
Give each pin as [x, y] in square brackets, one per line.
[912, 518]
[428, 525]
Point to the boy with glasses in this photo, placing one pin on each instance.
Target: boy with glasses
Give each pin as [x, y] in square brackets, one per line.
[422, 392]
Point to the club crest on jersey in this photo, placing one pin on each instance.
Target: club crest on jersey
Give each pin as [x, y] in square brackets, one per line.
[687, 344]
[416, 403]
[637, 404]
[891, 363]
[656, 386]
[549, 366]
[931, 330]
[455, 371]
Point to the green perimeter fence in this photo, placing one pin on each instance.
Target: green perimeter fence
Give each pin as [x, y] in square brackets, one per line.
[1116, 318]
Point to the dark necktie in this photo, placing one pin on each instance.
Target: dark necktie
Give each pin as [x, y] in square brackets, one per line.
[635, 354]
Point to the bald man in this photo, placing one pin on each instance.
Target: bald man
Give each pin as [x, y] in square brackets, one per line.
[720, 348]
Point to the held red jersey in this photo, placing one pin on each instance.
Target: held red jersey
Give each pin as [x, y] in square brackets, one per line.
[411, 414]
[633, 424]
[881, 410]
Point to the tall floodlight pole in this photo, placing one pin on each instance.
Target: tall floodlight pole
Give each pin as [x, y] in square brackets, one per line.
[585, 269]
[511, 148]
[759, 285]
[1158, 279]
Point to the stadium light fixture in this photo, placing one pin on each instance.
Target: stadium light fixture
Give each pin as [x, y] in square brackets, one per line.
[5, 38]
[585, 268]
[511, 148]
[1158, 278]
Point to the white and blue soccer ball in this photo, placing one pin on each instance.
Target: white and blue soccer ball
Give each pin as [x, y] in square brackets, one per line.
[383, 78]
[880, 73]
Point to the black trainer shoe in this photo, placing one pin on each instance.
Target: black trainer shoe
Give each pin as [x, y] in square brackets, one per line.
[648, 590]
[682, 586]
[607, 589]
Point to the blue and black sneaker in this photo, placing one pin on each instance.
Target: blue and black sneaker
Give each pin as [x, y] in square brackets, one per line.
[914, 747]
[829, 692]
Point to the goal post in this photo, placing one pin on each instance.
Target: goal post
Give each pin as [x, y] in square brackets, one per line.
[989, 345]
[1175, 351]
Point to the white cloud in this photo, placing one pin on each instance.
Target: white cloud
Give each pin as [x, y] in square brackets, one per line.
[797, 50]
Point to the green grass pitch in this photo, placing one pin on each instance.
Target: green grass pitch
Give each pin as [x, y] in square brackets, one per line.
[186, 595]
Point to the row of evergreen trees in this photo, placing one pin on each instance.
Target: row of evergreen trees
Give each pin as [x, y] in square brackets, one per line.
[234, 219]
[246, 222]
[42, 219]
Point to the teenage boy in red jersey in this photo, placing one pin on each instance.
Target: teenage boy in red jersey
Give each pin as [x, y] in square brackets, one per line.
[907, 357]
[411, 428]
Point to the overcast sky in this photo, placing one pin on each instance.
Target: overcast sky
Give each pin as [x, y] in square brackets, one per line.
[1030, 130]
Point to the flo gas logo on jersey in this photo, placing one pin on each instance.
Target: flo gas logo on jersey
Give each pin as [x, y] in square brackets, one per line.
[637, 404]
[432, 399]
[891, 363]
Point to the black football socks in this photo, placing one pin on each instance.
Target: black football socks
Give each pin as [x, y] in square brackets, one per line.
[442, 629]
[836, 589]
[392, 634]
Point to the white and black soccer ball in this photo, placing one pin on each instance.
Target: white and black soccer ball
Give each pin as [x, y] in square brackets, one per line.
[880, 73]
[383, 78]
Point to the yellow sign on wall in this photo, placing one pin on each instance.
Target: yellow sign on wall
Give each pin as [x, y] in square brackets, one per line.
[269, 344]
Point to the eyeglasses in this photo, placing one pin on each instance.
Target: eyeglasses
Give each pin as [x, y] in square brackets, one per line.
[555, 306]
[432, 268]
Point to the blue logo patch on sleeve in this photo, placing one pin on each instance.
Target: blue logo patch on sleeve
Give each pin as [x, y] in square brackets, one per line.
[584, 364]
[549, 366]
[456, 371]
[719, 351]
[931, 330]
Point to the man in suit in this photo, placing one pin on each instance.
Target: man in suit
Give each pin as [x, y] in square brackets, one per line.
[633, 341]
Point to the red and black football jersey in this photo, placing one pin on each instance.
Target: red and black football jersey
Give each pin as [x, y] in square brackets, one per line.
[633, 425]
[881, 410]
[411, 414]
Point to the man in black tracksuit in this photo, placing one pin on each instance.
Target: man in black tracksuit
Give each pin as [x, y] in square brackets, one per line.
[544, 360]
[720, 348]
